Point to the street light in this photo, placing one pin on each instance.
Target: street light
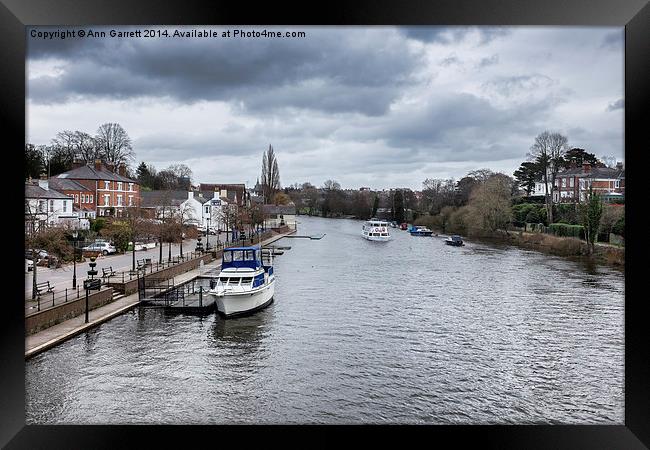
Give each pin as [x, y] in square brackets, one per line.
[207, 236]
[75, 233]
[91, 283]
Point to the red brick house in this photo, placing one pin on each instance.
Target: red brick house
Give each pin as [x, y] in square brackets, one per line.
[112, 192]
[83, 197]
[572, 185]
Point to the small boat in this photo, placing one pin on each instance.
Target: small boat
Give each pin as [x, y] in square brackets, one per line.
[393, 224]
[418, 230]
[404, 226]
[454, 240]
[244, 284]
[375, 230]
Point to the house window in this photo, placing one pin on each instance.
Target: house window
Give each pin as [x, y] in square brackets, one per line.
[571, 182]
[130, 200]
[91, 198]
[41, 206]
[107, 184]
[207, 209]
[617, 184]
[51, 205]
[65, 206]
[131, 187]
[106, 201]
[119, 185]
[563, 182]
[119, 200]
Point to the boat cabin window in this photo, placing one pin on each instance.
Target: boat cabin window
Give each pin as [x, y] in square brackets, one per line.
[241, 255]
[246, 280]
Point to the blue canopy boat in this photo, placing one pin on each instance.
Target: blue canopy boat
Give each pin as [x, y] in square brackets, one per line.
[417, 230]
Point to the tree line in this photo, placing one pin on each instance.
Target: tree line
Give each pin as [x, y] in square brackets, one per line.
[110, 143]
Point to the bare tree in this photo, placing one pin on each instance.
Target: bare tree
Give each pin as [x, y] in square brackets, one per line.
[270, 175]
[548, 151]
[85, 146]
[114, 144]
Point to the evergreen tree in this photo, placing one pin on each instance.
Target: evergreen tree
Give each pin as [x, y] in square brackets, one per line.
[375, 206]
[398, 203]
[591, 212]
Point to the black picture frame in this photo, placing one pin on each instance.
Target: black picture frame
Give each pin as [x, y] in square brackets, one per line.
[634, 15]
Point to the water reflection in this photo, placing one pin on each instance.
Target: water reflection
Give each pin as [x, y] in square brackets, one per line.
[409, 331]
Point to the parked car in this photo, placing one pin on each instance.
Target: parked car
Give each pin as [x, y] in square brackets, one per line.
[104, 247]
[40, 254]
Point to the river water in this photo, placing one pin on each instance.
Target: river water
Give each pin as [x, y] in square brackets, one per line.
[409, 331]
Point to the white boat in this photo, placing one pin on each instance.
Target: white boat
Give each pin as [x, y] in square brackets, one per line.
[375, 230]
[244, 284]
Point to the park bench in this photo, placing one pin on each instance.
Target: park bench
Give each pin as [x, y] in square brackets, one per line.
[108, 272]
[44, 286]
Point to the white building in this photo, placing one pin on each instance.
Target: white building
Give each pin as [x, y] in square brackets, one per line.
[45, 207]
[539, 188]
[279, 215]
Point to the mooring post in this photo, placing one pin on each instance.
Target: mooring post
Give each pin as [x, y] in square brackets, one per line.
[201, 297]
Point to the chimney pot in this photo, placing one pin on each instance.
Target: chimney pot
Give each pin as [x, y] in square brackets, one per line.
[98, 164]
[586, 167]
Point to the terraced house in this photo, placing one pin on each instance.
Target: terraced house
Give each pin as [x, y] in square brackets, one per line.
[112, 192]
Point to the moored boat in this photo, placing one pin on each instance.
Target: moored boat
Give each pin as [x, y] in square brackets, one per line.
[454, 240]
[375, 230]
[244, 284]
[404, 226]
[418, 230]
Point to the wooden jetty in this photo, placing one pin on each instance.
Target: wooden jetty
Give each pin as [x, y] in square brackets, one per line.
[307, 237]
[191, 296]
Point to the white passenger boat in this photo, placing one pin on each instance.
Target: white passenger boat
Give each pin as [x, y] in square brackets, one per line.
[244, 284]
[375, 230]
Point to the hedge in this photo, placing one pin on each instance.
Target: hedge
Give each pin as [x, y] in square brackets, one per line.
[561, 229]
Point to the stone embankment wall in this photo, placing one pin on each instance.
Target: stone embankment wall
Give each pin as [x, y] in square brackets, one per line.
[46, 318]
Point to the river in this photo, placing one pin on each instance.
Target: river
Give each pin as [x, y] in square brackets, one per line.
[409, 331]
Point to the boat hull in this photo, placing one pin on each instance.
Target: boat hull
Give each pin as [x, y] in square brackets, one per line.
[377, 238]
[455, 244]
[422, 233]
[237, 304]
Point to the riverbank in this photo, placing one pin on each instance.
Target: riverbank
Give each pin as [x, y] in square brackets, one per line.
[62, 331]
[606, 254]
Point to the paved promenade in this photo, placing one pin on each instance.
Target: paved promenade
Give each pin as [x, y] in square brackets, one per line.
[56, 334]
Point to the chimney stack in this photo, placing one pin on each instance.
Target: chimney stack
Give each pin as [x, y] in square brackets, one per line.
[98, 164]
[121, 169]
[619, 165]
[586, 167]
[77, 163]
[190, 195]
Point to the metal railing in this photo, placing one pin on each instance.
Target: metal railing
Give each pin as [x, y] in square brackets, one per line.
[52, 299]
[151, 267]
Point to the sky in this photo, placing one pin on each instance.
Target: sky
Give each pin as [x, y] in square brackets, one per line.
[380, 107]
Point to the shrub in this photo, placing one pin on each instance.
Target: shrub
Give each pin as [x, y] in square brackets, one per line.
[619, 227]
[561, 229]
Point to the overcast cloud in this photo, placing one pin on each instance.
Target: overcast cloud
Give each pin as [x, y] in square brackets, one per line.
[367, 106]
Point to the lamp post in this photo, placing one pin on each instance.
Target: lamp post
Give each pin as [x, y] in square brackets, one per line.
[75, 233]
[207, 236]
[91, 283]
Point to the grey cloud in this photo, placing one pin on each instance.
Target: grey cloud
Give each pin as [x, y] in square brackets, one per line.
[515, 85]
[618, 104]
[449, 60]
[449, 35]
[613, 40]
[484, 62]
[359, 74]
